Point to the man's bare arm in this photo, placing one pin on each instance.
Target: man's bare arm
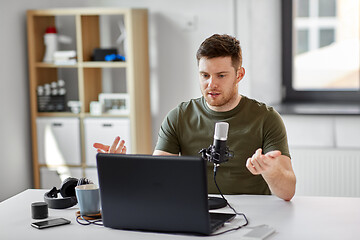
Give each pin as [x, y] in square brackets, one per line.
[159, 152]
[277, 171]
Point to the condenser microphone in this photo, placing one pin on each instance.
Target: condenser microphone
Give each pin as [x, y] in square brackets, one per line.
[220, 138]
[218, 152]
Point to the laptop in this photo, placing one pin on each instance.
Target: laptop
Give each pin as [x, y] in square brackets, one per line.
[156, 193]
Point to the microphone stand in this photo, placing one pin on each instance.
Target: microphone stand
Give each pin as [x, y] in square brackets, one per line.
[211, 155]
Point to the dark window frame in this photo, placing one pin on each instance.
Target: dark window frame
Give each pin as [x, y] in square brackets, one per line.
[289, 93]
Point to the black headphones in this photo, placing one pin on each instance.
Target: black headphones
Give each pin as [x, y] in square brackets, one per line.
[67, 191]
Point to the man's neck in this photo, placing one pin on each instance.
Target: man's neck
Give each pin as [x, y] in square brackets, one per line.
[228, 106]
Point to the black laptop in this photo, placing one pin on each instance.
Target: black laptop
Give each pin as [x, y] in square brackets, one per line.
[156, 193]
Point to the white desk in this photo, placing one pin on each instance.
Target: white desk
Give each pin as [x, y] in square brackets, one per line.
[302, 218]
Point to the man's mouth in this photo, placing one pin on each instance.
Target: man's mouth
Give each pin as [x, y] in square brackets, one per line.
[214, 94]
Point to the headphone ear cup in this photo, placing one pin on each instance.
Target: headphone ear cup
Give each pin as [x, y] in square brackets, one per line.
[67, 188]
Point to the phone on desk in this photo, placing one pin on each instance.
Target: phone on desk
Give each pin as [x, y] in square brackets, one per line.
[50, 223]
[259, 233]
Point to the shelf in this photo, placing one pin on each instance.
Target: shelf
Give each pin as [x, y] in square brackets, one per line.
[60, 166]
[106, 115]
[80, 11]
[84, 64]
[82, 115]
[104, 64]
[90, 28]
[58, 114]
[51, 65]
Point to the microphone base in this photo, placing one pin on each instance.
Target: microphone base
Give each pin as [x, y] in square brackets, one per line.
[216, 203]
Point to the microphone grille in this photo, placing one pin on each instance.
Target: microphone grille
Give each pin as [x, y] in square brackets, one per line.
[221, 130]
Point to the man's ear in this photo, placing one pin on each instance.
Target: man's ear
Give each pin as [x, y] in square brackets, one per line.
[240, 74]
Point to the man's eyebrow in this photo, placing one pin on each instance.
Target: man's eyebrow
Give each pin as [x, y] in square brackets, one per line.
[215, 73]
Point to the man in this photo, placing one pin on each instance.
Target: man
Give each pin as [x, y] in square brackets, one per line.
[257, 136]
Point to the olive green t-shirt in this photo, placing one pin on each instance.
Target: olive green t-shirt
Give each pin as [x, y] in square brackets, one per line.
[190, 127]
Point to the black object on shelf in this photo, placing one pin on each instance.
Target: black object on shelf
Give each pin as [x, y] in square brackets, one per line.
[51, 103]
[100, 53]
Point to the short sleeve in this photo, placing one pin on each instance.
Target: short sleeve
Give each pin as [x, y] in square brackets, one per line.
[168, 139]
[275, 137]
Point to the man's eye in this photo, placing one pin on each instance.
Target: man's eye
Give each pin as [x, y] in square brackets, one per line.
[205, 75]
[222, 75]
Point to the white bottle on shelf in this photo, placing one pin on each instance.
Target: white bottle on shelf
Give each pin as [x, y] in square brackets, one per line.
[51, 43]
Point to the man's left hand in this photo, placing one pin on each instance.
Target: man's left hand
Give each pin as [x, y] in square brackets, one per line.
[263, 163]
[276, 170]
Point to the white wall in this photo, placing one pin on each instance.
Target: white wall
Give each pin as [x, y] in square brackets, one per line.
[172, 63]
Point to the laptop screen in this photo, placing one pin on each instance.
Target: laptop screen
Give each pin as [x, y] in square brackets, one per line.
[156, 193]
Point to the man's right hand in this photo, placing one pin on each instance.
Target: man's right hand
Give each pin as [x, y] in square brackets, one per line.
[116, 147]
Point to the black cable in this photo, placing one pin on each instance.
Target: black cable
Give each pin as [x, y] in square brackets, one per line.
[240, 214]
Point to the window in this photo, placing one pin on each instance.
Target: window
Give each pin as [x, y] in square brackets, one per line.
[321, 50]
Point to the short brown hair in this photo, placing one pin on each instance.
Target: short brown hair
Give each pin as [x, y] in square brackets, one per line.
[221, 46]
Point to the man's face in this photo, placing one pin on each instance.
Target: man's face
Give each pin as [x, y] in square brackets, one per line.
[218, 82]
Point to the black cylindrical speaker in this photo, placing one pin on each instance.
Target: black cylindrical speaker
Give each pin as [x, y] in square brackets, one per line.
[39, 210]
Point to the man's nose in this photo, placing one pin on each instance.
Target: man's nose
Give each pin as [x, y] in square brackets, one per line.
[212, 83]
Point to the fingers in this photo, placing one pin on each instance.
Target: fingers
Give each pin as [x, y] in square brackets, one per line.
[262, 163]
[258, 160]
[117, 147]
[101, 151]
[101, 147]
[258, 152]
[114, 145]
[123, 151]
[258, 163]
[253, 163]
[251, 167]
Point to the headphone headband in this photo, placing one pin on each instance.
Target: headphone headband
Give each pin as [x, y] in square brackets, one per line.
[59, 203]
[67, 191]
